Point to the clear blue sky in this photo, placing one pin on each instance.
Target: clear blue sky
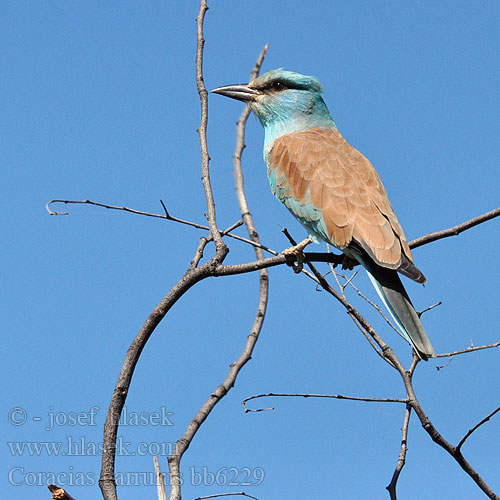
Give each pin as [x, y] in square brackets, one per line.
[99, 101]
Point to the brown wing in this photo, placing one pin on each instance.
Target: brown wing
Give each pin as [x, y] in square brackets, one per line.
[321, 167]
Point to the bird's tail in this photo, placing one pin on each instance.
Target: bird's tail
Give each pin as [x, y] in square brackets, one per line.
[392, 292]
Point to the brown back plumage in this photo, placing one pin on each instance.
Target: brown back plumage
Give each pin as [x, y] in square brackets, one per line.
[321, 167]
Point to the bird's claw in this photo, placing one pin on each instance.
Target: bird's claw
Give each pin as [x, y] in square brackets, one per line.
[349, 263]
[297, 254]
[297, 251]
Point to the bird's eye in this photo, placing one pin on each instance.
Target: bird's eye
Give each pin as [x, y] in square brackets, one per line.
[278, 86]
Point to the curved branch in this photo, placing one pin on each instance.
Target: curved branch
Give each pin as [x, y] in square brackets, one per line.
[107, 477]
[485, 419]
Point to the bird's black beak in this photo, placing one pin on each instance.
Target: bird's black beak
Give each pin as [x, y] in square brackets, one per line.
[242, 92]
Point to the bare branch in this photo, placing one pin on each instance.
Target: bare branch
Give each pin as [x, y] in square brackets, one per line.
[439, 367]
[202, 130]
[375, 306]
[306, 395]
[160, 481]
[318, 256]
[455, 230]
[199, 253]
[437, 437]
[167, 216]
[184, 442]
[391, 488]
[240, 493]
[429, 308]
[485, 419]
[190, 278]
[406, 376]
[468, 349]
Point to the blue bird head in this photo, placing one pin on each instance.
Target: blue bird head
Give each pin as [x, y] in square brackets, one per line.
[283, 101]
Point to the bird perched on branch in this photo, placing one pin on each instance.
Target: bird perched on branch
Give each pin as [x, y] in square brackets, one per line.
[332, 189]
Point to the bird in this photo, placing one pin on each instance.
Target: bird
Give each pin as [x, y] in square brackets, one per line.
[332, 189]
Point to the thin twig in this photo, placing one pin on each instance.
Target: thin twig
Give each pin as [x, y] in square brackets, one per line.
[316, 256]
[391, 488]
[468, 349]
[355, 321]
[455, 230]
[311, 256]
[306, 395]
[429, 308]
[202, 129]
[351, 310]
[166, 216]
[440, 367]
[485, 419]
[375, 306]
[240, 493]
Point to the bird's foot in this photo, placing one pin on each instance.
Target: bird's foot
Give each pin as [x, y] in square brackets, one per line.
[297, 251]
[349, 263]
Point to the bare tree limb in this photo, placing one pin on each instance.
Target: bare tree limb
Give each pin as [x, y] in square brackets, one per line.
[455, 230]
[306, 395]
[406, 375]
[166, 216]
[160, 481]
[311, 256]
[184, 442]
[190, 278]
[433, 432]
[202, 130]
[437, 304]
[468, 349]
[391, 488]
[485, 419]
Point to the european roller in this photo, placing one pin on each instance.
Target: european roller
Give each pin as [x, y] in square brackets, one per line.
[332, 189]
